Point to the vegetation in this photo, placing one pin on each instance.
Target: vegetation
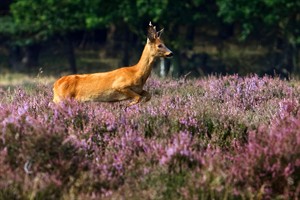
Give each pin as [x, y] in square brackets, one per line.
[215, 138]
[278, 19]
[29, 28]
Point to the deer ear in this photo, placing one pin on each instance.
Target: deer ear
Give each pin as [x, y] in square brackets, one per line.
[159, 33]
[152, 35]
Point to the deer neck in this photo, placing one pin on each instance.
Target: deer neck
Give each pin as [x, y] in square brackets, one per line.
[144, 66]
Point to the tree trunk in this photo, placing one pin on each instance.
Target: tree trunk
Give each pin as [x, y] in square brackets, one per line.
[164, 65]
[176, 68]
[70, 55]
[111, 42]
[283, 58]
[14, 60]
[162, 71]
[295, 59]
[125, 49]
[31, 56]
[288, 57]
[181, 56]
[190, 36]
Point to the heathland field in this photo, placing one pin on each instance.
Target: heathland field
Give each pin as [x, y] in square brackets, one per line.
[219, 137]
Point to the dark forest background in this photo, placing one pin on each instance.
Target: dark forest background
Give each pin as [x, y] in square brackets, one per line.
[206, 36]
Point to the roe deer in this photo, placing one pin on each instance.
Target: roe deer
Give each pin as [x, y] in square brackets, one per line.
[120, 84]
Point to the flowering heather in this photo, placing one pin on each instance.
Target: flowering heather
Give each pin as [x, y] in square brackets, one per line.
[226, 137]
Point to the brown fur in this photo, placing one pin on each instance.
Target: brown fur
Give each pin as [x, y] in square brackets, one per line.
[120, 84]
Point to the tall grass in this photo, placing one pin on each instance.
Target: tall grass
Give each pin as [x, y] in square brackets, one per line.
[226, 137]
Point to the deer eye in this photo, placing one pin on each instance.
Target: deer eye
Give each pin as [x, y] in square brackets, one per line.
[160, 46]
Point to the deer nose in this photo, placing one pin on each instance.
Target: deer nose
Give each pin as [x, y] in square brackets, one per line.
[169, 55]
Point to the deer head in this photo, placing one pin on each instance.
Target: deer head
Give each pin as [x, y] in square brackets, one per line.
[157, 46]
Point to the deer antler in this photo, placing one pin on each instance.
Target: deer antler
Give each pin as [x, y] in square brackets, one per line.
[159, 33]
[151, 26]
[152, 34]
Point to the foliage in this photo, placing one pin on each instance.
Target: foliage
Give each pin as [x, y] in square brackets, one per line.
[272, 23]
[219, 137]
[42, 19]
[52, 16]
[36, 21]
[271, 16]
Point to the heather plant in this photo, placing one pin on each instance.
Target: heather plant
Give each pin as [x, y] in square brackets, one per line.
[225, 137]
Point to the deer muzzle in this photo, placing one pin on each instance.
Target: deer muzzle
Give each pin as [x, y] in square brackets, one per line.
[169, 54]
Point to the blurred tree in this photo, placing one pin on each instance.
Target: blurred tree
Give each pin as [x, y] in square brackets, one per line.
[34, 21]
[130, 19]
[275, 21]
[173, 15]
[26, 24]
[7, 33]
[7, 30]
[38, 20]
[181, 19]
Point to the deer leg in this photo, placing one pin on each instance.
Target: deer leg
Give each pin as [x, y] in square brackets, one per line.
[132, 95]
[146, 95]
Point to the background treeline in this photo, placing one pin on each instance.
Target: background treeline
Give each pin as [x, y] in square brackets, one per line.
[222, 36]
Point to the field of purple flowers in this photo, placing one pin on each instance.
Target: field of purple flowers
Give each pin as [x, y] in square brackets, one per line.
[226, 137]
